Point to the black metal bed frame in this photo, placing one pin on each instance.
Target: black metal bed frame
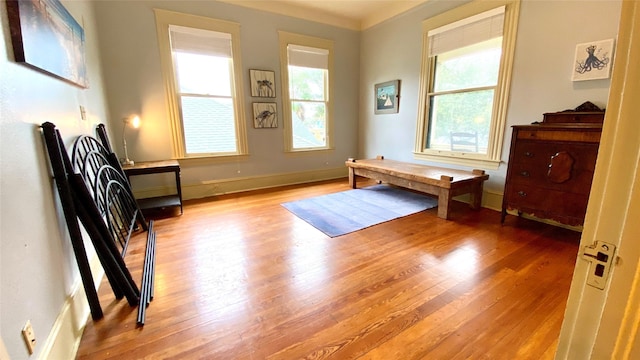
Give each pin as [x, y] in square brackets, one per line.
[93, 188]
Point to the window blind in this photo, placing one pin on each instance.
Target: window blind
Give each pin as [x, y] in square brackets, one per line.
[306, 56]
[199, 41]
[469, 31]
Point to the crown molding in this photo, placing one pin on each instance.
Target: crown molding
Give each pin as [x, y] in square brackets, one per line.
[312, 13]
[301, 12]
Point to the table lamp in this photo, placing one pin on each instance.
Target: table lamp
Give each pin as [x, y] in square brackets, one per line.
[135, 122]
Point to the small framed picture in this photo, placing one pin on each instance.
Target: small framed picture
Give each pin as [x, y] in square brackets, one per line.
[265, 115]
[263, 83]
[593, 60]
[387, 97]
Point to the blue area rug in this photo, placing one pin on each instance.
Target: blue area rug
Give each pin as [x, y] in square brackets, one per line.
[344, 212]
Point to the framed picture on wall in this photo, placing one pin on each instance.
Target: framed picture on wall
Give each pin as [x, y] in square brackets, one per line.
[593, 60]
[387, 97]
[47, 38]
[263, 83]
[265, 115]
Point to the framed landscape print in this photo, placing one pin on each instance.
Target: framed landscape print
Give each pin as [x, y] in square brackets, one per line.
[387, 97]
[47, 38]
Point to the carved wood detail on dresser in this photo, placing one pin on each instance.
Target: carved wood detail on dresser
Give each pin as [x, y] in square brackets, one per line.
[551, 165]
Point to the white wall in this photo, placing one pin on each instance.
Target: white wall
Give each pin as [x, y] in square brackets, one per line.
[37, 267]
[38, 272]
[134, 85]
[548, 33]
[390, 51]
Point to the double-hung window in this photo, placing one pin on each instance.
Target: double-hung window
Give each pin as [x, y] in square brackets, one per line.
[465, 78]
[307, 75]
[202, 74]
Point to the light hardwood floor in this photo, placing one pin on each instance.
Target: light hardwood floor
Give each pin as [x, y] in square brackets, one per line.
[240, 277]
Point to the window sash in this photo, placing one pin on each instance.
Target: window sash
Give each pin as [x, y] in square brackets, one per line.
[201, 130]
[166, 21]
[207, 134]
[309, 57]
[468, 31]
[462, 90]
[204, 81]
[323, 94]
[485, 66]
[198, 41]
[298, 144]
[291, 45]
[492, 158]
[439, 125]
[432, 124]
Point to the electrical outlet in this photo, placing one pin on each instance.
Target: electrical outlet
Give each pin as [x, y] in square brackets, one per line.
[29, 337]
[83, 113]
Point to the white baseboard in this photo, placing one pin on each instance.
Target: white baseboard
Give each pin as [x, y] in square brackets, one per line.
[64, 339]
[234, 185]
[492, 200]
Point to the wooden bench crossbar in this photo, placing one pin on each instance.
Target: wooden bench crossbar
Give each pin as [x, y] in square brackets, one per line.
[441, 182]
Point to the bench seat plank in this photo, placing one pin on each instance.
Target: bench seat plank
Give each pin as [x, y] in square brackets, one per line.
[441, 182]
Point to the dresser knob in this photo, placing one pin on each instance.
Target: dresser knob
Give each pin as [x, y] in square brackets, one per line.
[524, 173]
[522, 193]
[528, 154]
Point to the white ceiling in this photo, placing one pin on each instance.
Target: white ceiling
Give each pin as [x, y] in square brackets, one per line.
[350, 14]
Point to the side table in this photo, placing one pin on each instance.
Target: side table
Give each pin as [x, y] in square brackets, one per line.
[157, 167]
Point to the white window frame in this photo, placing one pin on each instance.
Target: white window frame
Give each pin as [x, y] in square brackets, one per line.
[491, 160]
[165, 18]
[286, 38]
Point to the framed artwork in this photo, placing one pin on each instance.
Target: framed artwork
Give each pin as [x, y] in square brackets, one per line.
[387, 97]
[263, 83]
[593, 60]
[47, 38]
[265, 115]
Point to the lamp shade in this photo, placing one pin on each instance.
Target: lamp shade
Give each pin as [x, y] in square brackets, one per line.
[135, 122]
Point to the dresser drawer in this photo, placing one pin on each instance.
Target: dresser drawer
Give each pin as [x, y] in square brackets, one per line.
[579, 181]
[546, 203]
[559, 135]
[573, 117]
[538, 154]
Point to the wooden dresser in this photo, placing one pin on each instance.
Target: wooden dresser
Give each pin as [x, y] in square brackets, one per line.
[551, 165]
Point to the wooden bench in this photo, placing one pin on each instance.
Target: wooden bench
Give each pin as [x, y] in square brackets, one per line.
[442, 182]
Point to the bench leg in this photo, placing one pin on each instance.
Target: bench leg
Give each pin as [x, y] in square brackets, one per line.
[352, 178]
[444, 200]
[476, 196]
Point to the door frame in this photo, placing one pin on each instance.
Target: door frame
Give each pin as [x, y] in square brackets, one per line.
[603, 324]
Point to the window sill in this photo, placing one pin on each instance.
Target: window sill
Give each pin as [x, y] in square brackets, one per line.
[464, 159]
[308, 150]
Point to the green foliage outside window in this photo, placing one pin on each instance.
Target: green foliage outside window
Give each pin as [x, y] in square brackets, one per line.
[463, 91]
[307, 92]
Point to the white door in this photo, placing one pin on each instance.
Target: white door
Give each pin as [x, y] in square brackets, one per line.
[603, 324]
